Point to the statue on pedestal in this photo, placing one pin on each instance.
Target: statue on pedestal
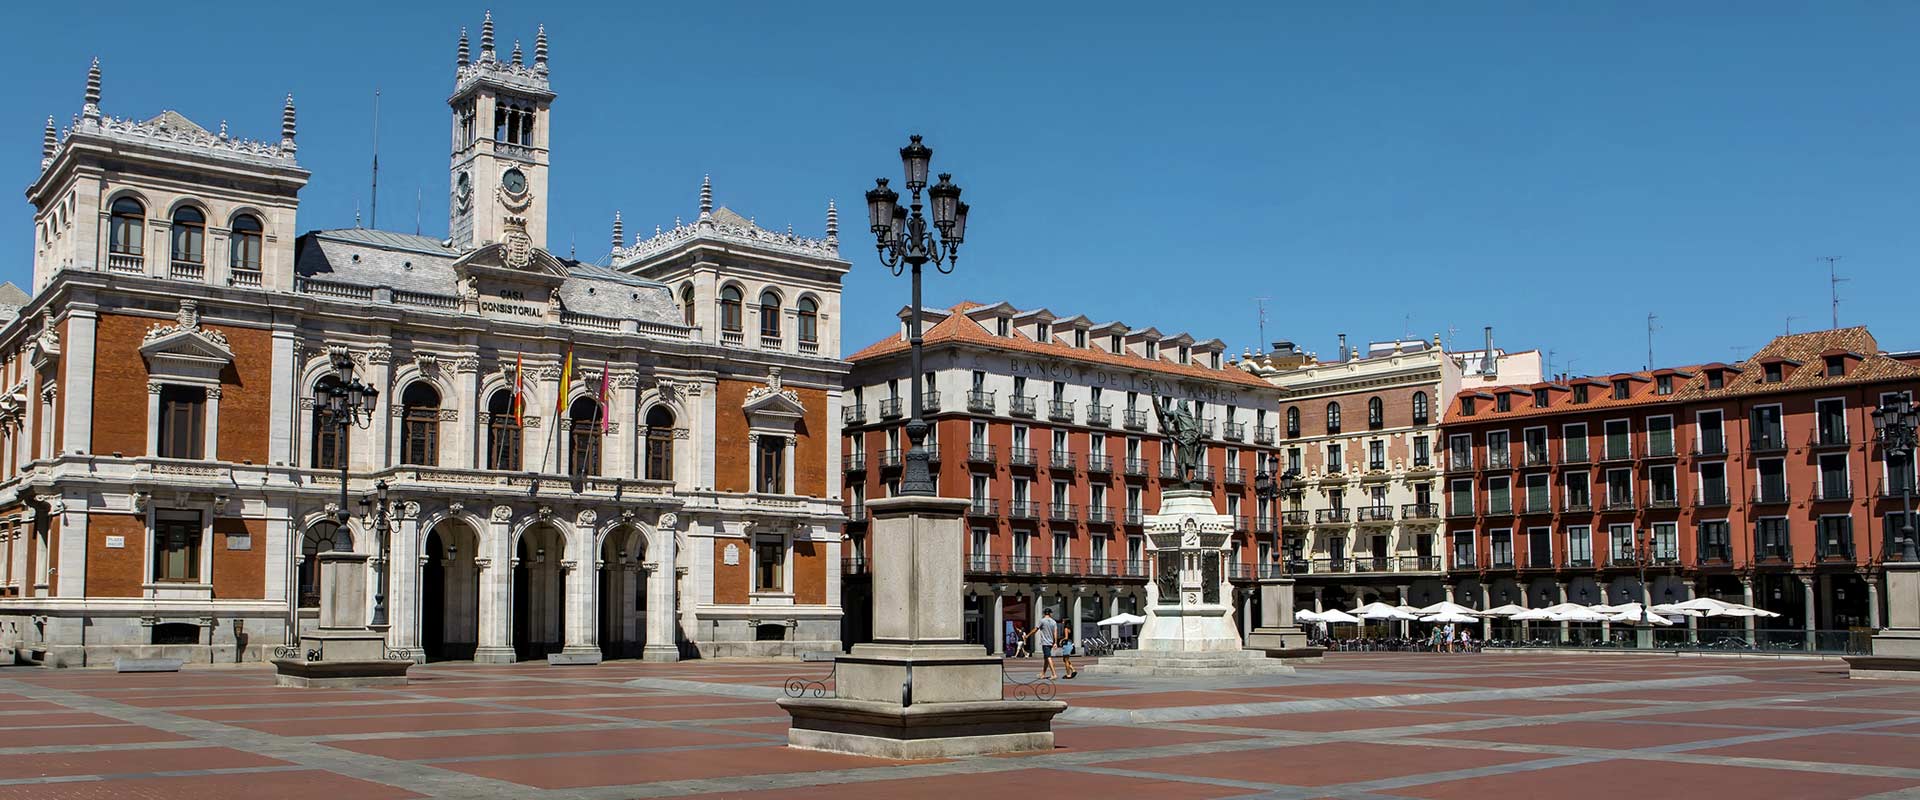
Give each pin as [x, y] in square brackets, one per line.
[1179, 425]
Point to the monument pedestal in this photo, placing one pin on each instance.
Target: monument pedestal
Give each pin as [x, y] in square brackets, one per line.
[1896, 649]
[919, 690]
[1189, 630]
[343, 652]
[1277, 635]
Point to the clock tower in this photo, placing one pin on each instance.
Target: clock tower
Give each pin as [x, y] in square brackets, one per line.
[500, 126]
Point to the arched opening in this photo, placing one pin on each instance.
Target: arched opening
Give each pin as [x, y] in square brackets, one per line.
[244, 247]
[450, 594]
[623, 595]
[686, 304]
[1333, 418]
[539, 607]
[126, 228]
[189, 236]
[1419, 408]
[659, 444]
[420, 425]
[1293, 422]
[503, 432]
[769, 316]
[730, 309]
[807, 321]
[329, 441]
[1376, 413]
[323, 537]
[583, 437]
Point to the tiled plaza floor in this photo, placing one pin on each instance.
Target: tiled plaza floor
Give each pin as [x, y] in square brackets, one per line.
[1360, 726]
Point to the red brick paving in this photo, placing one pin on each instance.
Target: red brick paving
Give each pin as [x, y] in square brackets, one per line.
[129, 761]
[1771, 717]
[1329, 721]
[90, 734]
[506, 744]
[301, 785]
[1612, 780]
[727, 711]
[295, 725]
[571, 772]
[1327, 764]
[1527, 708]
[1164, 699]
[1853, 748]
[1611, 735]
[1040, 784]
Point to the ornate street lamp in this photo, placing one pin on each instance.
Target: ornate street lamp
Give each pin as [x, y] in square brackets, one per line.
[1894, 425]
[375, 507]
[347, 403]
[1270, 487]
[903, 239]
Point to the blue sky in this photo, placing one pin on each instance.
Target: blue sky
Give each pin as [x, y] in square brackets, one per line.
[1557, 171]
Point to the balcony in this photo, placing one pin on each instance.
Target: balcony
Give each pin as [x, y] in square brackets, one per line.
[1203, 474]
[126, 262]
[933, 450]
[1234, 476]
[1336, 473]
[1060, 460]
[1837, 490]
[854, 463]
[1022, 509]
[1134, 420]
[980, 402]
[1577, 505]
[984, 507]
[1460, 462]
[1027, 565]
[1063, 512]
[1772, 553]
[732, 338]
[1577, 563]
[187, 270]
[1101, 416]
[1296, 518]
[929, 402]
[1135, 467]
[1135, 517]
[1021, 405]
[1498, 506]
[1829, 437]
[854, 415]
[1459, 509]
[1133, 568]
[1263, 435]
[1715, 447]
[1411, 511]
[1236, 431]
[1421, 463]
[986, 562]
[1330, 565]
[1536, 456]
[1021, 457]
[1169, 471]
[1500, 460]
[1099, 464]
[1060, 410]
[1664, 498]
[1619, 453]
[1419, 564]
[1373, 564]
[1530, 504]
[1771, 495]
[981, 453]
[1617, 503]
[890, 408]
[1331, 516]
[1660, 449]
[1710, 497]
[855, 565]
[857, 513]
[807, 346]
[1241, 524]
[1767, 443]
[1100, 515]
[1715, 556]
[889, 458]
[1374, 514]
[1263, 525]
[1206, 428]
[1377, 467]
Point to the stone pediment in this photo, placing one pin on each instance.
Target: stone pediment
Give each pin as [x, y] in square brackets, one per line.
[511, 261]
[773, 400]
[186, 349]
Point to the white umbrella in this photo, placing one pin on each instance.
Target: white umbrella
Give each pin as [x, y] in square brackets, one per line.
[1577, 614]
[1449, 616]
[1671, 610]
[1448, 607]
[1507, 610]
[1633, 617]
[1382, 611]
[1306, 616]
[1721, 608]
[1333, 615]
[1532, 615]
[1123, 619]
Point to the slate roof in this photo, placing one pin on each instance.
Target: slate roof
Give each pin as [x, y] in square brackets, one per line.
[958, 327]
[373, 258]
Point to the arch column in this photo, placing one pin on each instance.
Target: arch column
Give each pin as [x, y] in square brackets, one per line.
[403, 592]
[496, 582]
[663, 615]
[581, 596]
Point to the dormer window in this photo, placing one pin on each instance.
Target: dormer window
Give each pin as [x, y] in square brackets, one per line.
[1775, 373]
[1153, 350]
[1113, 343]
[1184, 354]
[1215, 360]
[1502, 403]
[1080, 339]
[1716, 379]
[1663, 384]
[1042, 333]
[1466, 406]
[1580, 393]
[1621, 389]
[1540, 400]
[1836, 366]
[1003, 327]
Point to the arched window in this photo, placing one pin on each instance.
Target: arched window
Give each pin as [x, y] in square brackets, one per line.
[1376, 413]
[1419, 408]
[659, 444]
[420, 425]
[1333, 418]
[1293, 422]
[243, 249]
[769, 316]
[809, 320]
[730, 309]
[686, 304]
[329, 442]
[321, 538]
[189, 236]
[503, 432]
[126, 228]
[583, 437]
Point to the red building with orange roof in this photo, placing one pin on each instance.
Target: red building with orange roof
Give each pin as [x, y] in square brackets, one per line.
[1046, 423]
[1759, 482]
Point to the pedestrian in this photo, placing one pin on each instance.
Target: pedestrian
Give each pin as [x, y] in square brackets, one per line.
[1019, 647]
[1436, 640]
[1450, 637]
[1066, 652]
[1009, 636]
[1044, 633]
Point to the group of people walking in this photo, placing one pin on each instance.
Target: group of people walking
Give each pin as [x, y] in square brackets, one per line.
[1047, 639]
[1451, 640]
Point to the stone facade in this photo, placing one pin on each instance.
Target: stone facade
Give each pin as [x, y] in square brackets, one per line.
[575, 457]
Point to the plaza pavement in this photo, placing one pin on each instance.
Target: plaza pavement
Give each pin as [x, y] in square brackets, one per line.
[1360, 726]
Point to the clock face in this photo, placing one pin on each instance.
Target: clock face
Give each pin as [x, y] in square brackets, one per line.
[463, 189]
[515, 181]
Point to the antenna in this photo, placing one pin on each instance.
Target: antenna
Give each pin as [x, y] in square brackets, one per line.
[1790, 319]
[1406, 326]
[1550, 352]
[1833, 285]
[1650, 329]
[417, 193]
[1261, 303]
[1450, 332]
[373, 213]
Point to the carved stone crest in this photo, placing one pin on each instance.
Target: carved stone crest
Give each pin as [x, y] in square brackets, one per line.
[588, 517]
[502, 513]
[668, 521]
[516, 247]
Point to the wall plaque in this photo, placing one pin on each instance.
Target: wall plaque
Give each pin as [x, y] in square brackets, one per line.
[116, 542]
[731, 555]
[239, 541]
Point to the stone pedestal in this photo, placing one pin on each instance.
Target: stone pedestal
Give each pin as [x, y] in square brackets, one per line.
[1896, 650]
[1277, 635]
[1190, 629]
[342, 651]
[919, 690]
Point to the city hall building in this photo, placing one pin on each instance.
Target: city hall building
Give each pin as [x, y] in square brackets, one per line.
[628, 458]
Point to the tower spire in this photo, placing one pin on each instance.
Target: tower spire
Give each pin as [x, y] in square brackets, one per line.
[47, 144]
[486, 37]
[91, 107]
[706, 198]
[287, 128]
[833, 223]
[460, 60]
[619, 232]
[540, 49]
[516, 52]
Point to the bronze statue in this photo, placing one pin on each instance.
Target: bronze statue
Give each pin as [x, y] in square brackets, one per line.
[1178, 424]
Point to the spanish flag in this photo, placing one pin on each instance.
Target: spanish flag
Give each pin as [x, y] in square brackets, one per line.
[519, 401]
[566, 384]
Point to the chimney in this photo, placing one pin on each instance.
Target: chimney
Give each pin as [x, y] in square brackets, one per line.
[1490, 365]
[1343, 347]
